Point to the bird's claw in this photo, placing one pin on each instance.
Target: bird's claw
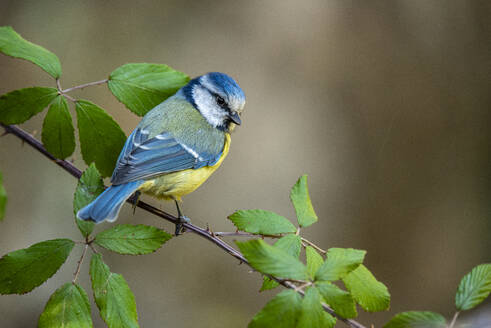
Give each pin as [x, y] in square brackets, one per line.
[179, 228]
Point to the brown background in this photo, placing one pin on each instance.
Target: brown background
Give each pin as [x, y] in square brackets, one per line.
[385, 104]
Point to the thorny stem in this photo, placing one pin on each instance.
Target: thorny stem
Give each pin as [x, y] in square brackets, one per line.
[205, 233]
[247, 234]
[75, 275]
[454, 319]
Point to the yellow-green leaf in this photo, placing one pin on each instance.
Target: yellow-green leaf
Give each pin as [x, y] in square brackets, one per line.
[371, 294]
[68, 307]
[417, 319]
[101, 138]
[142, 86]
[112, 295]
[89, 187]
[340, 300]
[339, 262]
[292, 244]
[300, 198]
[312, 315]
[272, 260]
[132, 239]
[58, 133]
[23, 270]
[474, 287]
[12, 44]
[281, 312]
[20, 105]
[261, 222]
[314, 260]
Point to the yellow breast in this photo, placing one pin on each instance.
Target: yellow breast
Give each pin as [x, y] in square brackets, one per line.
[177, 184]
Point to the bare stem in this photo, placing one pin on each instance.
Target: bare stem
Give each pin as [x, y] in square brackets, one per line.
[243, 234]
[313, 245]
[75, 275]
[454, 319]
[84, 85]
[204, 233]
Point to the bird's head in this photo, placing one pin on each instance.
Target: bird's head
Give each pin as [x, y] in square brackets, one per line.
[218, 98]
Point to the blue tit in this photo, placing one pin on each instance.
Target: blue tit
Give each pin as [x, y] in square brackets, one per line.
[175, 148]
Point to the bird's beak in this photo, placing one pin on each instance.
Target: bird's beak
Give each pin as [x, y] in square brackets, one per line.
[235, 118]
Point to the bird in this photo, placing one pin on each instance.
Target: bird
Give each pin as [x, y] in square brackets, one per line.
[175, 148]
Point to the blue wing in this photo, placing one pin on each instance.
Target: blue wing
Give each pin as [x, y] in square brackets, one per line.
[146, 158]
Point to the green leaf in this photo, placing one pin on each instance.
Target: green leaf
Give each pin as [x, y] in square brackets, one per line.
[340, 300]
[300, 198]
[132, 239]
[474, 287]
[23, 270]
[112, 295]
[3, 198]
[68, 307]
[312, 314]
[292, 244]
[340, 262]
[101, 138]
[89, 187]
[58, 134]
[20, 105]
[314, 260]
[272, 260]
[281, 312]
[142, 86]
[261, 222]
[371, 294]
[417, 319]
[12, 44]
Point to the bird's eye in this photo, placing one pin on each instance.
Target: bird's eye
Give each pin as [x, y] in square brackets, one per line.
[220, 101]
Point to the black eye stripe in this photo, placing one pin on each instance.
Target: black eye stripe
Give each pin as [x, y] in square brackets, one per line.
[220, 101]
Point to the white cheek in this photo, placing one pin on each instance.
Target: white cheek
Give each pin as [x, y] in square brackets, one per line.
[208, 107]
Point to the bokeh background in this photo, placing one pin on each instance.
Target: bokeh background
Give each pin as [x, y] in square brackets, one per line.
[385, 104]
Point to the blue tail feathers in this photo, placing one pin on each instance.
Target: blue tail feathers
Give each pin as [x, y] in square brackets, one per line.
[106, 207]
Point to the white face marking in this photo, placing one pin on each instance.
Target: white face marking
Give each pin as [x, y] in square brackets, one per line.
[208, 107]
[235, 104]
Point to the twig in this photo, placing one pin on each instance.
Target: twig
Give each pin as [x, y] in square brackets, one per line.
[314, 245]
[75, 275]
[454, 319]
[208, 235]
[243, 234]
[84, 85]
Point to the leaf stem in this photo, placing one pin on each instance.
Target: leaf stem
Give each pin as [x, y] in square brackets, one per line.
[84, 85]
[313, 245]
[243, 234]
[204, 233]
[454, 319]
[75, 275]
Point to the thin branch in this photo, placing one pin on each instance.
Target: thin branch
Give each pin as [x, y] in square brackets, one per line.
[243, 234]
[207, 234]
[84, 85]
[314, 245]
[454, 319]
[75, 275]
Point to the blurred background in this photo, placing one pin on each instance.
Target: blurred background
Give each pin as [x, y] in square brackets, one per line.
[384, 104]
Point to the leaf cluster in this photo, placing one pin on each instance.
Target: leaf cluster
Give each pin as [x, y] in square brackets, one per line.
[140, 87]
[318, 278]
[23, 270]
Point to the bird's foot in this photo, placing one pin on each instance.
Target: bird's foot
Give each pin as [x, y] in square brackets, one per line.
[179, 228]
[134, 200]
